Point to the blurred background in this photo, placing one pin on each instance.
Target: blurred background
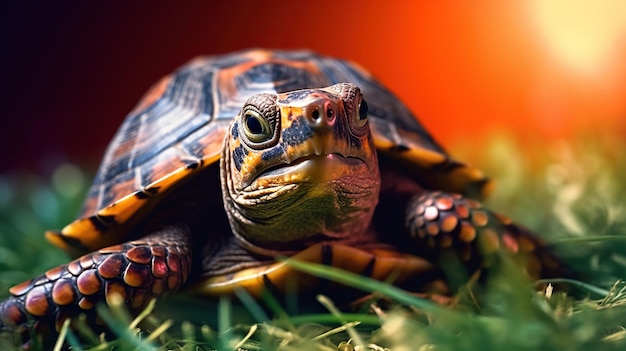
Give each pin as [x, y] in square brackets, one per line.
[529, 70]
[533, 92]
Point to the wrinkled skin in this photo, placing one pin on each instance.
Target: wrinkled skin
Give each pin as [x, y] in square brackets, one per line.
[300, 176]
[310, 174]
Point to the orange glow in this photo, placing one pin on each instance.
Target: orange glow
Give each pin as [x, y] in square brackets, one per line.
[539, 69]
[584, 36]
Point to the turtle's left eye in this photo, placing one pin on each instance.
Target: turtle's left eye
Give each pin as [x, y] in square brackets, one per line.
[362, 117]
[363, 110]
[256, 127]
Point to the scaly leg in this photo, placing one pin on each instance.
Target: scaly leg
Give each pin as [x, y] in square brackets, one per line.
[138, 271]
[446, 224]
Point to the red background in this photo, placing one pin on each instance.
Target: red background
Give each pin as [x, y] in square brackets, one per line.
[72, 70]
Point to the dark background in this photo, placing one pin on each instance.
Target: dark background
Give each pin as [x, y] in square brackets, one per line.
[72, 70]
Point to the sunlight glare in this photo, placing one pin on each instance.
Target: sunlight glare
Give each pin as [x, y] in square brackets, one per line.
[585, 36]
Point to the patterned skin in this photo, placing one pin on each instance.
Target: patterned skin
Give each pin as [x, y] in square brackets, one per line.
[230, 162]
[314, 181]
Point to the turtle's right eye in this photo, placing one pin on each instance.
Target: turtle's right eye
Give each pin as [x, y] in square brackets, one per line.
[256, 127]
[259, 121]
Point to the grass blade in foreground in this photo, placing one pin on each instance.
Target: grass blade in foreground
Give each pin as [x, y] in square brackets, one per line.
[577, 187]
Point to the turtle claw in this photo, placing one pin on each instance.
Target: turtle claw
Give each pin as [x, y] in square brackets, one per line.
[441, 223]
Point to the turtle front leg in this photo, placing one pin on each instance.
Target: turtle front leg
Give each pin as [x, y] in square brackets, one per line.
[138, 271]
[444, 223]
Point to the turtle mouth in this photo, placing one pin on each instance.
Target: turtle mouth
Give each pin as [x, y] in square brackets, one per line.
[314, 168]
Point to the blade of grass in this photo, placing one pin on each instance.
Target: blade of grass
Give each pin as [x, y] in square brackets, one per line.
[325, 318]
[142, 315]
[582, 285]
[363, 283]
[116, 318]
[326, 302]
[589, 239]
[252, 305]
[61, 338]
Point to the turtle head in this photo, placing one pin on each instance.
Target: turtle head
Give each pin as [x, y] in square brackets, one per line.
[300, 167]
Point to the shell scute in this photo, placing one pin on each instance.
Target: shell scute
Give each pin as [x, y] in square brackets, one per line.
[178, 128]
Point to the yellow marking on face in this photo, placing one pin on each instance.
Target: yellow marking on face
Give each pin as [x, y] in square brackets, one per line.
[317, 175]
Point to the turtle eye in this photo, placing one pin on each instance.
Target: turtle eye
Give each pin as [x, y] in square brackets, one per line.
[256, 127]
[363, 110]
[362, 117]
[259, 121]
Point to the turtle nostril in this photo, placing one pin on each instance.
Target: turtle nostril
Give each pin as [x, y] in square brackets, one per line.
[315, 115]
[330, 114]
[322, 113]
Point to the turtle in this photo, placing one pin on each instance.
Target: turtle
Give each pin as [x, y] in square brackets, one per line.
[236, 160]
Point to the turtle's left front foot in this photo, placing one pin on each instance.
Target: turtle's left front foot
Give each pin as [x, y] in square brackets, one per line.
[446, 223]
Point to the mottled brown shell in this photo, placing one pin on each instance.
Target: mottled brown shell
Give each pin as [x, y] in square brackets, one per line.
[178, 127]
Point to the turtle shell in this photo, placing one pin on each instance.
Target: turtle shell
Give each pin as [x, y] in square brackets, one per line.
[177, 130]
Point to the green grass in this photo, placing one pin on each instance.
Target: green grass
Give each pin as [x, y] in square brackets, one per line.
[571, 192]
